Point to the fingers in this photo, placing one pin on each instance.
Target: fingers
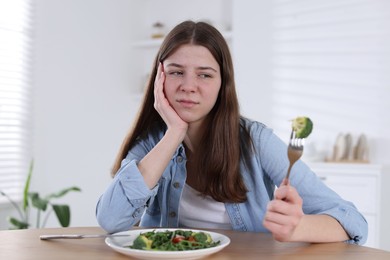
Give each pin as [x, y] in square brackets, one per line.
[280, 225]
[285, 182]
[288, 193]
[278, 211]
[160, 70]
[159, 80]
[281, 232]
[282, 218]
[281, 192]
[284, 213]
[287, 202]
[159, 97]
[284, 208]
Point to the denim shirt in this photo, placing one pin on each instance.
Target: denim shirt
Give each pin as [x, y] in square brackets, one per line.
[128, 200]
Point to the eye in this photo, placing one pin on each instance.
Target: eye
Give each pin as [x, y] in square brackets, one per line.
[205, 75]
[175, 73]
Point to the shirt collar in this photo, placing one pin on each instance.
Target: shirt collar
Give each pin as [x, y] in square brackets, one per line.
[180, 151]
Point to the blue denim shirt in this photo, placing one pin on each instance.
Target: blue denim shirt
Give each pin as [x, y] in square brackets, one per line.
[128, 200]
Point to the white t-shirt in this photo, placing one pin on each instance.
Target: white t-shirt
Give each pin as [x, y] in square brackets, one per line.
[196, 211]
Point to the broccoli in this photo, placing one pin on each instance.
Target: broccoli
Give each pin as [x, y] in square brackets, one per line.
[142, 242]
[302, 126]
[202, 237]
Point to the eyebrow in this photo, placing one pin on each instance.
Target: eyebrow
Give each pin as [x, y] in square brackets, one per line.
[176, 65]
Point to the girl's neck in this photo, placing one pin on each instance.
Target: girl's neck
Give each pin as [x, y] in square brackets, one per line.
[193, 136]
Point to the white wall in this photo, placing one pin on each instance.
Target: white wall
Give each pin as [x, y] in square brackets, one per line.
[82, 97]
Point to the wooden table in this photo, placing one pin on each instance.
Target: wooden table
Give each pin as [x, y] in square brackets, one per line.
[25, 244]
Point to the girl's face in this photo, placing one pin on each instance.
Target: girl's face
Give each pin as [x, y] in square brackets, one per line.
[193, 81]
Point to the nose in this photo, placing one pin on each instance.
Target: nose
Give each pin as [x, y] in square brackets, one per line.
[189, 83]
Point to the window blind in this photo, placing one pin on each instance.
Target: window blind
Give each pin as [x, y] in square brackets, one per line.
[15, 95]
[330, 62]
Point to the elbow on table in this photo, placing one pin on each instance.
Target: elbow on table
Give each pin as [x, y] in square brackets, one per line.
[105, 222]
[108, 221]
[362, 239]
[111, 224]
[357, 232]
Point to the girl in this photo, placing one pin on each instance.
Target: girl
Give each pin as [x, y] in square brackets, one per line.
[193, 161]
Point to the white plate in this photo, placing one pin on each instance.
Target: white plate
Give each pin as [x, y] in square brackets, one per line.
[120, 244]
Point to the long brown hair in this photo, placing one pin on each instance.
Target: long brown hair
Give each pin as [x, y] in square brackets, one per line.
[218, 153]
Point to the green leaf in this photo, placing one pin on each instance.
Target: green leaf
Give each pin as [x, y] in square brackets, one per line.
[14, 204]
[38, 202]
[62, 192]
[17, 223]
[63, 214]
[27, 186]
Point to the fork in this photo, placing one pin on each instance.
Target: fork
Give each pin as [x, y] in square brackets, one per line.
[79, 236]
[294, 152]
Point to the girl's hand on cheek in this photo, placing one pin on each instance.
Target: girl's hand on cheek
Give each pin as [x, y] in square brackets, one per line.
[284, 213]
[161, 104]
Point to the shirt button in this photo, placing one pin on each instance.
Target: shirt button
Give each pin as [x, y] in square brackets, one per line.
[172, 214]
[179, 159]
[176, 185]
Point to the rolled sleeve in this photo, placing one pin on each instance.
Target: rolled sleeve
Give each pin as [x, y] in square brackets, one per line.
[125, 200]
[320, 199]
[134, 186]
[353, 223]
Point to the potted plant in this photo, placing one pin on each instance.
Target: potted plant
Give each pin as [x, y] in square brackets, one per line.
[41, 204]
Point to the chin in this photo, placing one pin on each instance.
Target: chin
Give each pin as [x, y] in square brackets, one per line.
[189, 118]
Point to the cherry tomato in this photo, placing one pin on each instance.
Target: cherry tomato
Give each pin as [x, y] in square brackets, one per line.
[177, 239]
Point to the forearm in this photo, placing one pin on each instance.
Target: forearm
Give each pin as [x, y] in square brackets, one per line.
[154, 163]
[319, 228]
[124, 201]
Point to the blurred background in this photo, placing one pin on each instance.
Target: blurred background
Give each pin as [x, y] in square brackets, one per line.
[80, 66]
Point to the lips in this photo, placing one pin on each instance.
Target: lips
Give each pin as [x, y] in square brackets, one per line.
[187, 102]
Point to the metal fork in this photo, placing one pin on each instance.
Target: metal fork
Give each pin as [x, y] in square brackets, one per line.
[294, 151]
[80, 236]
